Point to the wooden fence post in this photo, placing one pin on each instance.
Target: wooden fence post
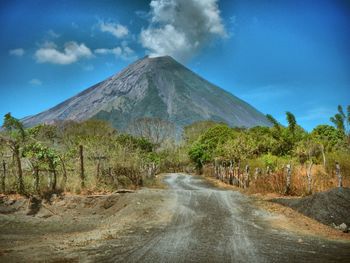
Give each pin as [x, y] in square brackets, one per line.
[82, 172]
[257, 173]
[337, 171]
[309, 178]
[246, 176]
[98, 169]
[237, 176]
[225, 172]
[231, 173]
[3, 176]
[289, 174]
[217, 169]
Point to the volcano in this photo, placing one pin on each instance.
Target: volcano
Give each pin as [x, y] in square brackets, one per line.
[157, 87]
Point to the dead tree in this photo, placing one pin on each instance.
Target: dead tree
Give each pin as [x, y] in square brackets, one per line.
[289, 175]
[154, 129]
[337, 171]
[309, 178]
[82, 172]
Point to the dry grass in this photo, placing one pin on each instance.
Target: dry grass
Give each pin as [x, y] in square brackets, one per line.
[276, 181]
[267, 188]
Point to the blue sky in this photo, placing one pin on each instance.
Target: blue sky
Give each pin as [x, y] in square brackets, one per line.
[277, 55]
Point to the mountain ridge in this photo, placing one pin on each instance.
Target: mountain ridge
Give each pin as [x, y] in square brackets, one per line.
[153, 87]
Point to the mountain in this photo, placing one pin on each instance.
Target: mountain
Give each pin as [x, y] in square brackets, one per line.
[154, 87]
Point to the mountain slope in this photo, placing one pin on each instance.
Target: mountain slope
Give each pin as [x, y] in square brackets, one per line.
[154, 87]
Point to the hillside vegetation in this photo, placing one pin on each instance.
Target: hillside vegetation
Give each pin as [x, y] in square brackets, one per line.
[92, 156]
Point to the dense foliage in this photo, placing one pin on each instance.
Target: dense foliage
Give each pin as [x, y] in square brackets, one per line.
[93, 156]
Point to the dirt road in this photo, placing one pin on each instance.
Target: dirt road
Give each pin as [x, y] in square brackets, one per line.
[189, 222]
[210, 225]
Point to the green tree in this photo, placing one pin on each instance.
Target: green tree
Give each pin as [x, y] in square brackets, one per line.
[193, 131]
[264, 140]
[331, 138]
[239, 148]
[40, 156]
[292, 123]
[204, 148]
[14, 137]
[342, 120]
[274, 122]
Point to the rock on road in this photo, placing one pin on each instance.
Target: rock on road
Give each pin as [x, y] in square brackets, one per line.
[212, 225]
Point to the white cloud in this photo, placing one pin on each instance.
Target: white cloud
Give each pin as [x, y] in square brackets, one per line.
[53, 34]
[123, 52]
[181, 27]
[117, 30]
[104, 51]
[35, 82]
[71, 53]
[19, 52]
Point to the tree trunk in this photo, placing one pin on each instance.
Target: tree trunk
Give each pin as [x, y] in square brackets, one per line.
[54, 182]
[82, 172]
[3, 177]
[337, 171]
[19, 170]
[309, 178]
[289, 175]
[54, 175]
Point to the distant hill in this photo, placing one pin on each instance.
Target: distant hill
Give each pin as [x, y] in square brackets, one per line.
[154, 87]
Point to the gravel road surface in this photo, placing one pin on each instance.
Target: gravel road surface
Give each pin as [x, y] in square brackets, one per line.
[190, 221]
[211, 225]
